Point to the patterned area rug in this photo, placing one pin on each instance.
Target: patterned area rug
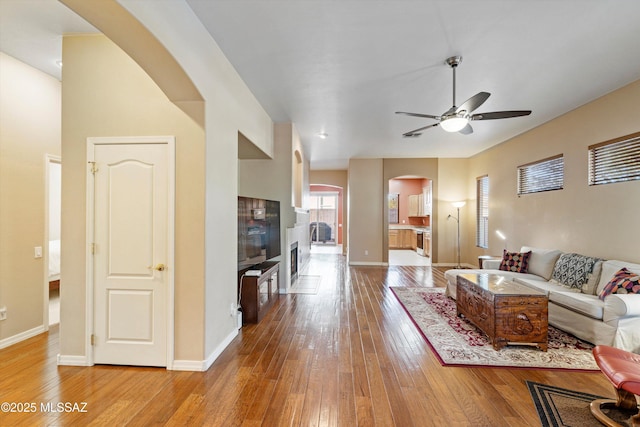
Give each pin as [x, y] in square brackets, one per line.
[458, 342]
[561, 407]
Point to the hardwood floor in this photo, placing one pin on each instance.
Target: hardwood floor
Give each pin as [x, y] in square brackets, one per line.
[348, 355]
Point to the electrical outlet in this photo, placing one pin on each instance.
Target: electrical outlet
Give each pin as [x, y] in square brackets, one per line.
[366, 252]
[3, 313]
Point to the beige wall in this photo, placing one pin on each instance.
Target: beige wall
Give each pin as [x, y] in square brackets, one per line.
[29, 129]
[105, 93]
[598, 221]
[366, 207]
[452, 187]
[338, 178]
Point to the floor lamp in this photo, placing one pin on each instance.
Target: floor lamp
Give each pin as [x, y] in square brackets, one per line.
[457, 205]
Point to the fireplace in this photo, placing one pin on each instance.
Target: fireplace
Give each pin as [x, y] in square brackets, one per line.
[294, 261]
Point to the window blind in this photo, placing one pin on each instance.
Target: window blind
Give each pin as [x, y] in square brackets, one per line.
[615, 161]
[543, 175]
[482, 213]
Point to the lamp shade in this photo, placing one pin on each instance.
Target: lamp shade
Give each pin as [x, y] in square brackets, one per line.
[454, 124]
[458, 204]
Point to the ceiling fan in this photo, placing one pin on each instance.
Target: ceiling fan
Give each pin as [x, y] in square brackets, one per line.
[456, 119]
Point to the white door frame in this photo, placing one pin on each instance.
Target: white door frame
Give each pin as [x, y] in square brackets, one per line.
[91, 143]
[48, 159]
[335, 194]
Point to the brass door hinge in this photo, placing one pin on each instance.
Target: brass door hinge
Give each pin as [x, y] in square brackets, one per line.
[94, 167]
[93, 249]
[93, 339]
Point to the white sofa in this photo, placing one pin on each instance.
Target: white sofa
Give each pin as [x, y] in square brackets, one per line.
[577, 310]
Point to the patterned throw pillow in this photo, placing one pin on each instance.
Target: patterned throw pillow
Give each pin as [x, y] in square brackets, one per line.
[516, 262]
[573, 270]
[623, 282]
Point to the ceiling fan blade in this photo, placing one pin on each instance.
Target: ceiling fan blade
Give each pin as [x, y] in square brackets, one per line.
[467, 130]
[500, 115]
[416, 132]
[426, 116]
[474, 102]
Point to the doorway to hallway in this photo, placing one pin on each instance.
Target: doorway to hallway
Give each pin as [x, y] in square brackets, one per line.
[323, 217]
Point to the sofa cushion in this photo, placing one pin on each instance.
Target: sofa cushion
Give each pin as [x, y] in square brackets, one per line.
[573, 270]
[592, 283]
[623, 282]
[611, 267]
[516, 262]
[542, 261]
[574, 300]
[534, 282]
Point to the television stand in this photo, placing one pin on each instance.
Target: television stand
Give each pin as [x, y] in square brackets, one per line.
[258, 293]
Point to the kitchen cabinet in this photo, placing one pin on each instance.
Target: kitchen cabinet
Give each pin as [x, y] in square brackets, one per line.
[419, 205]
[393, 239]
[427, 244]
[407, 238]
[414, 204]
[402, 239]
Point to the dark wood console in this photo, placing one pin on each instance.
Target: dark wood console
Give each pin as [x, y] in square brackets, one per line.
[258, 293]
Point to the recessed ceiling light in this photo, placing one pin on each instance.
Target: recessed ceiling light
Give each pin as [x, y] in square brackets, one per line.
[323, 135]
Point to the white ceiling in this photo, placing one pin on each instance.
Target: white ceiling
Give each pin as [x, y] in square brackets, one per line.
[344, 67]
[31, 31]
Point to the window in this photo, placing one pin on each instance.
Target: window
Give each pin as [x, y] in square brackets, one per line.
[543, 175]
[617, 160]
[482, 213]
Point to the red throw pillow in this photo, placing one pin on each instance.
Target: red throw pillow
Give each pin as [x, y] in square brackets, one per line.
[516, 262]
[623, 282]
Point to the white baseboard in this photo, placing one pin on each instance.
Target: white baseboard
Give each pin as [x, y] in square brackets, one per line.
[203, 365]
[72, 360]
[363, 263]
[218, 350]
[187, 365]
[453, 265]
[21, 336]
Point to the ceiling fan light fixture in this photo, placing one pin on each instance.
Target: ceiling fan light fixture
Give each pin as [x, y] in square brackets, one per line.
[454, 124]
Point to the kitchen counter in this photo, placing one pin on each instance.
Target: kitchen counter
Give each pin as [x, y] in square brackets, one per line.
[408, 227]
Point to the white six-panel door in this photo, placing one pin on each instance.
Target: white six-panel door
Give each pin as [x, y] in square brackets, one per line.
[131, 253]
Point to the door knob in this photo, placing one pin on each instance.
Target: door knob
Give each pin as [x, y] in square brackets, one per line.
[159, 267]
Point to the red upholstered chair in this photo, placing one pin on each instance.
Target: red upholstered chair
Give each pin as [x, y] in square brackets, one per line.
[622, 368]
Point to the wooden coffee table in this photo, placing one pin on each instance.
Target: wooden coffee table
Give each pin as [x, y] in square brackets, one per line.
[508, 312]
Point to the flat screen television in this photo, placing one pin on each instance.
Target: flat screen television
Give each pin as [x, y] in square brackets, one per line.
[258, 231]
